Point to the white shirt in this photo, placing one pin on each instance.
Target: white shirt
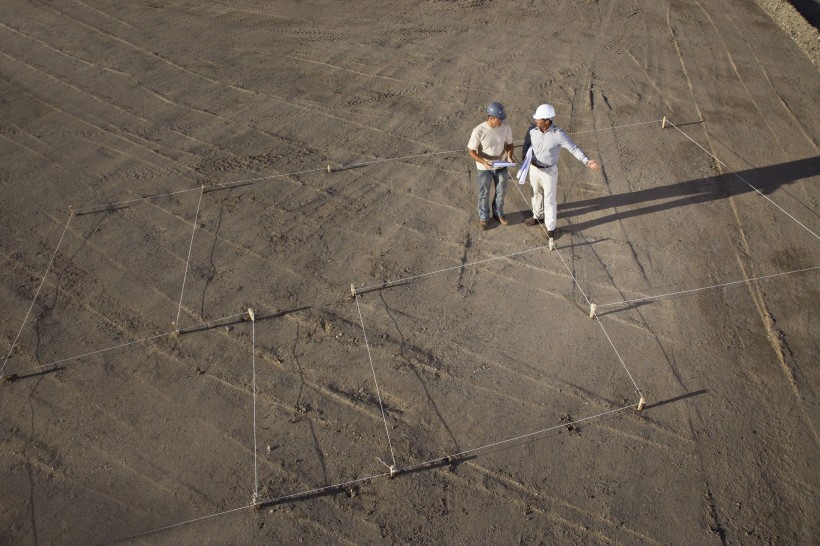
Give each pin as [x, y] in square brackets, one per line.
[547, 146]
[489, 141]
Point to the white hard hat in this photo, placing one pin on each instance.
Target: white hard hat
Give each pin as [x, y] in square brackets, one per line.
[545, 111]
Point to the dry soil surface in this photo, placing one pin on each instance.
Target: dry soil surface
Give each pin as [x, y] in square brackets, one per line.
[192, 139]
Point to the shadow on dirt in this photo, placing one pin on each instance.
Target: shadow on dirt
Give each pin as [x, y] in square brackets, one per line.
[701, 190]
[809, 9]
[243, 318]
[676, 399]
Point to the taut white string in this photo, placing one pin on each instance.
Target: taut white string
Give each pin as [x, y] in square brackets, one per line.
[647, 298]
[375, 381]
[468, 264]
[34, 300]
[255, 464]
[766, 197]
[583, 294]
[77, 357]
[318, 490]
[190, 247]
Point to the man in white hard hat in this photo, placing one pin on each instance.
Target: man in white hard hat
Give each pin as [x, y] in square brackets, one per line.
[546, 141]
[490, 142]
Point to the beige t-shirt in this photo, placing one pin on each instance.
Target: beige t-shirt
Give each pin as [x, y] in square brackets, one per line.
[490, 141]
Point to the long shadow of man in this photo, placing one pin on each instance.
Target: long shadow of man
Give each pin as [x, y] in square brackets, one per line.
[701, 190]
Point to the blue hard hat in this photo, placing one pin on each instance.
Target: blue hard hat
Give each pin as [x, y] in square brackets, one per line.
[496, 109]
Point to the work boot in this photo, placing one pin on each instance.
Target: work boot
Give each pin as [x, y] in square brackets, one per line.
[532, 222]
[482, 225]
[503, 220]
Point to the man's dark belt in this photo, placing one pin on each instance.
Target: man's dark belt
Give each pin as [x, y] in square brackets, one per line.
[540, 165]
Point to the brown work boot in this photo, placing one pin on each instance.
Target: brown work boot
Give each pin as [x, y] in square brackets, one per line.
[503, 220]
[532, 222]
[482, 225]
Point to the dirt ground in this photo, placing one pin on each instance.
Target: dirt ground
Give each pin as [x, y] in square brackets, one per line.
[165, 167]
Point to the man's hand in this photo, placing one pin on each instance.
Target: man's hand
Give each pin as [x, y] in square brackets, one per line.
[592, 164]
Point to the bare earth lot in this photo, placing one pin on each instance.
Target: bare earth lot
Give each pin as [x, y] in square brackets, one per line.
[164, 169]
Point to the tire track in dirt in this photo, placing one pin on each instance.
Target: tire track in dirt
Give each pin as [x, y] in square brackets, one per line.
[249, 251]
[311, 107]
[797, 121]
[603, 30]
[533, 497]
[417, 84]
[755, 290]
[654, 68]
[776, 338]
[151, 54]
[38, 153]
[417, 358]
[610, 40]
[62, 53]
[725, 49]
[173, 165]
[30, 457]
[112, 130]
[169, 353]
[114, 457]
[106, 15]
[186, 136]
[642, 324]
[227, 10]
[714, 513]
[652, 82]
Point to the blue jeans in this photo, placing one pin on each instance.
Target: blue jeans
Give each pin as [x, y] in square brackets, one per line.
[485, 182]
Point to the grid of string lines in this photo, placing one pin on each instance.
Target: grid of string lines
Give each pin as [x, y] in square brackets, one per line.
[256, 500]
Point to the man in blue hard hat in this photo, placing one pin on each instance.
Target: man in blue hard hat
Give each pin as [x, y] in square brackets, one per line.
[546, 140]
[491, 142]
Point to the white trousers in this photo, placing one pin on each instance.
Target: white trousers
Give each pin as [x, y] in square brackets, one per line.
[544, 184]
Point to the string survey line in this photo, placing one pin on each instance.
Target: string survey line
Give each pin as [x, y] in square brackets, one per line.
[106, 206]
[206, 325]
[395, 471]
[414, 277]
[253, 363]
[714, 286]
[102, 207]
[378, 391]
[37, 293]
[178, 524]
[766, 197]
[188, 261]
[601, 324]
[584, 295]
[616, 127]
[403, 280]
